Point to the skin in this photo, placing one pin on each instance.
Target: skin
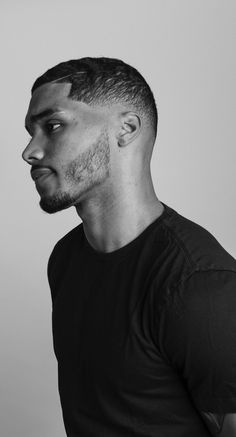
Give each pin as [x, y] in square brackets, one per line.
[100, 158]
[100, 162]
[220, 425]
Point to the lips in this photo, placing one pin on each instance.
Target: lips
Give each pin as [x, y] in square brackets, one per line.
[39, 172]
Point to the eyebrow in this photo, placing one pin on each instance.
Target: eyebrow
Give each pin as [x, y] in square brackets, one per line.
[37, 117]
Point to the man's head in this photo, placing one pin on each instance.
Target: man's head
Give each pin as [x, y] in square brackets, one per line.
[81, 113]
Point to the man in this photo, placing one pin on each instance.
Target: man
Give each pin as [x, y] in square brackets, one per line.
[144, 300]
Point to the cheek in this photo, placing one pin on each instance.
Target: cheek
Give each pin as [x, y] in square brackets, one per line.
[63, 150]
[74, 142]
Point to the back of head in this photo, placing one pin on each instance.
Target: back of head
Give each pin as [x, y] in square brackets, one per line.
[105, 81]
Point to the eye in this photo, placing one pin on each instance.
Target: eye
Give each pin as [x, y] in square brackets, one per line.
[53, 126]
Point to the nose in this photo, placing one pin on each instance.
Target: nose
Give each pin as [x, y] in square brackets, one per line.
[33, 152]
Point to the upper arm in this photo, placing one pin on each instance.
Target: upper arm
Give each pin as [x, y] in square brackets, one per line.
[220, 425]
[199, 339]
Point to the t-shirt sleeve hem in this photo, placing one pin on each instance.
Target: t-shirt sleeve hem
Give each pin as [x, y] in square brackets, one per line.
[217, 405]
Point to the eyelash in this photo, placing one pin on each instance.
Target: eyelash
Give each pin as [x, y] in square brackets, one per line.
[51, 124]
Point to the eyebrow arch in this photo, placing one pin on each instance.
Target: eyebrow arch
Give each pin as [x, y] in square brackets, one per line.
[36, 117]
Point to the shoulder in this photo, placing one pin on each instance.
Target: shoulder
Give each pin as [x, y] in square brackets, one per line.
[199, 276]
[198, 248]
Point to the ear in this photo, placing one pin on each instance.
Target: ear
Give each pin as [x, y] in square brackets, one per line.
[130, 127]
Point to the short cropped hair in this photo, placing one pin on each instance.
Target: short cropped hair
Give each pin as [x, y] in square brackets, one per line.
[104, 81]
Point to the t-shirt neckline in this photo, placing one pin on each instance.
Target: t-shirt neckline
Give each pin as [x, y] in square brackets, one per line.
[124, 250]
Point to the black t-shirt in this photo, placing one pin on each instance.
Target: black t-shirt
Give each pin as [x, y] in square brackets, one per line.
[145, 336]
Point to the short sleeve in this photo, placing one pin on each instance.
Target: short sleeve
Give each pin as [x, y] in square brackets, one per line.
[198, 337]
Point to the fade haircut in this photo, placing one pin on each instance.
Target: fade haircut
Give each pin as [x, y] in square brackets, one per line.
[105, 81]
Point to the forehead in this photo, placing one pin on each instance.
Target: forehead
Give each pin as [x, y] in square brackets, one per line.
[54, 97]
[48, 96]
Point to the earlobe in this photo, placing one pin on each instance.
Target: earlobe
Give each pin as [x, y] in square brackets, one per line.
[130, 129]
[121, 142]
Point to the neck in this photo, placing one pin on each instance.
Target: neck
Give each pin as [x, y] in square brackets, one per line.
[112, 220]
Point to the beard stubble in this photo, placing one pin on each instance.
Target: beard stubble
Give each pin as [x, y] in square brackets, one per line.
[90, 169]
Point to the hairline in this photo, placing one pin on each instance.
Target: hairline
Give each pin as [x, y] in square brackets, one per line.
[106, 101]
[102, 102]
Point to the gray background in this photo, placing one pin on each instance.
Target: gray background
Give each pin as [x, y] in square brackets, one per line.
[186, 51]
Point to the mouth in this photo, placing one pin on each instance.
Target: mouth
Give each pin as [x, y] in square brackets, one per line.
[40, 174]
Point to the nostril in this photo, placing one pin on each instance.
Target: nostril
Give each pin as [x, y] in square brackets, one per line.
[25, 156]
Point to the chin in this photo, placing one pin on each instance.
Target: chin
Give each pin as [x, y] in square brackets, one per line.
[55, 204]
